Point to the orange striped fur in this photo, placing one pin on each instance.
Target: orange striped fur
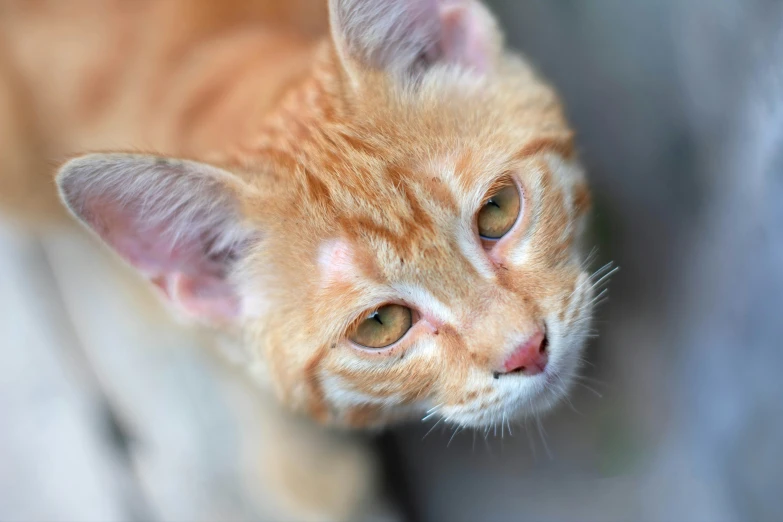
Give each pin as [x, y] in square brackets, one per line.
[326, 148]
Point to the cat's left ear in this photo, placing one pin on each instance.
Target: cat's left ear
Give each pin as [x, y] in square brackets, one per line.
[406, 37]
[179, 223]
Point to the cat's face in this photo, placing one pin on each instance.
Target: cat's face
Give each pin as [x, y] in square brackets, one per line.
[399, 210]
[416, 249]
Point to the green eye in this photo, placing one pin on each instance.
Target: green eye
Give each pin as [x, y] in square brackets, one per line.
[499, 213]
[383, 327]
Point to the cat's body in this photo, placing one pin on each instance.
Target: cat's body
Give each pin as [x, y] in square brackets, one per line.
[329, 179]
[181, 78]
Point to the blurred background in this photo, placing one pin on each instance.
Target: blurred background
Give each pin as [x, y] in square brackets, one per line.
[678, 108]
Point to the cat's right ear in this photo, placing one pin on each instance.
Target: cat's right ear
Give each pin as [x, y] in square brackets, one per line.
[177, 222]
[405, 37]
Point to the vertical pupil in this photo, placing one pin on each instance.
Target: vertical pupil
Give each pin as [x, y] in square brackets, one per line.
[493, 202]
[377, 317]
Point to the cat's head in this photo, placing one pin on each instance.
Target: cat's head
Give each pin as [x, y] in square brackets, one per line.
[402, 240]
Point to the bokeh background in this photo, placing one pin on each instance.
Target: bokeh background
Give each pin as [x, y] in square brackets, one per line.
[678, 108]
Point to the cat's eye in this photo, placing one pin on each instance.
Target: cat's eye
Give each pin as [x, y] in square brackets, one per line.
[383, 327]
[499, 213]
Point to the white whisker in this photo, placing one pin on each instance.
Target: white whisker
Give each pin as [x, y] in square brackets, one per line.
[437, 406]
[456, 430]
[602, 269]
[593, 390]
[589, 258]
[432, 428]
[429, 415]
[600, 295]
[530, 441]
[605, 277]
[542, 434]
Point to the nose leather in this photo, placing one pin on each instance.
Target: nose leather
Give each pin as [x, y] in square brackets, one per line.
[529, 358]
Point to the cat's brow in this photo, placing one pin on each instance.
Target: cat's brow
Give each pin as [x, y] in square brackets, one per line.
[427, 302]
[473, 253]
[561, 144]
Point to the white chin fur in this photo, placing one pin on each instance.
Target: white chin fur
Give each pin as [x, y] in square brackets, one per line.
[523, 397]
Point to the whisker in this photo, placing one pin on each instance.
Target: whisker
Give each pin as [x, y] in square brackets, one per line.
[432, 428]
[457, 430]
[593, 390]
[434, 407]
[564, 389]
[605, 277]
[429, 416]
[583, 319]
[579, 287]
[489, 448]
[542, 434]
[592, 380]
[590, 258]
[530, 441]
[602, 269]
[595, 299]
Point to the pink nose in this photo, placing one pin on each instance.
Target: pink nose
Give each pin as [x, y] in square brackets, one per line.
[529, 358]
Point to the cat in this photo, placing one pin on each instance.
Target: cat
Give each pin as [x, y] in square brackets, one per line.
[387, 212]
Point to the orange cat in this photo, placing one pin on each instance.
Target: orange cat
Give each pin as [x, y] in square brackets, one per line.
[388, 218]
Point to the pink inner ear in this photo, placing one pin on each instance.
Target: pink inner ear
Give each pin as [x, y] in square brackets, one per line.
[336, 261]
[465, 38]
[151, 248]
[402, 36]
[209, 298]
[177, 263]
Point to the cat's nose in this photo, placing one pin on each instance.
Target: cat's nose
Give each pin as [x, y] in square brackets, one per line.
[530, 357]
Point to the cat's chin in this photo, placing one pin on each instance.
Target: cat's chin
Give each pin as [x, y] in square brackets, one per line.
[553, 392]
[554, 386]
[524, 398]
